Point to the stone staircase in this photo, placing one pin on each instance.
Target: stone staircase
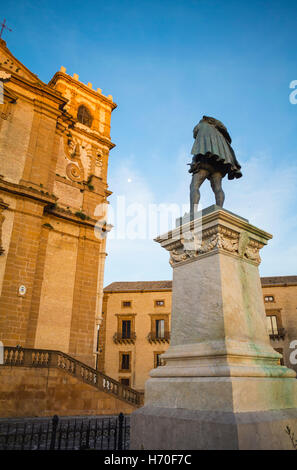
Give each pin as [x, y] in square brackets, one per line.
[45, 358]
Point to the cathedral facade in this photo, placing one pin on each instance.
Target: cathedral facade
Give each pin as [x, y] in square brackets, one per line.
[54, 149]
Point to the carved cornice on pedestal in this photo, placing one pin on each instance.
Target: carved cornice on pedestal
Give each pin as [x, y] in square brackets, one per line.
[214, 233]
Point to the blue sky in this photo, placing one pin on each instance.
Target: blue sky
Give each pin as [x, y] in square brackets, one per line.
[166, 63]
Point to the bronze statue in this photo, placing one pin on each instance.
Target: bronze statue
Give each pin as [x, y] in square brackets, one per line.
[213, 159]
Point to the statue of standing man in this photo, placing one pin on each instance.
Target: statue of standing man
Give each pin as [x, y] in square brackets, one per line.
[213, 158]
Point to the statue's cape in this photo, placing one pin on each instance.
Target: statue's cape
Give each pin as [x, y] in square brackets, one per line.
[210, 142]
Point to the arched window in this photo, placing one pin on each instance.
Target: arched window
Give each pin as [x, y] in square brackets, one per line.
[84, 116]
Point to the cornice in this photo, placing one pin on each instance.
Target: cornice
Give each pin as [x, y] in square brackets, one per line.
[280, 284]
[20, 64]
[159, 314]
[74, 184]
[93, 135]
[3, 205]
[42, 107]
[72, 217]
[83, 186]
[125, 314]
[25, 191]
[37, 87]
[207, 221]
[135, 291]
[10, 95]
[77, 83]
[216, 232]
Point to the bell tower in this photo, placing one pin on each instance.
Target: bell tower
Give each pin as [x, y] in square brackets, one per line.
[83, 157]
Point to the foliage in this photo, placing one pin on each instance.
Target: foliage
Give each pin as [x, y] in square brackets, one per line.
[90, 186]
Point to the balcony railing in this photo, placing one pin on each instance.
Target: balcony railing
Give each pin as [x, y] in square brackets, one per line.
[159, 338]
[122, 338]
[278, 334]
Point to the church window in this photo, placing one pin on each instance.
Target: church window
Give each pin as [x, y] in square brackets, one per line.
[84, 116]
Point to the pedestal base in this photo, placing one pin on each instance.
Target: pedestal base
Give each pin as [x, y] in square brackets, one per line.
[226, 394]
[182, 429]
[216, 413]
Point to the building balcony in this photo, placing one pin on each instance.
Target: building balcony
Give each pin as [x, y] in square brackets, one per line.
[159, 338]
[120, 338]
[279, 334]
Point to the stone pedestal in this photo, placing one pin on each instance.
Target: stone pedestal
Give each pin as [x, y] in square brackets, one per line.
[222, 386]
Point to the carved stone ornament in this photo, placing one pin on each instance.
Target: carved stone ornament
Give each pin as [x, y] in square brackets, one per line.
[191, 244]
[75, 169]
[4, 75]
[98, 164]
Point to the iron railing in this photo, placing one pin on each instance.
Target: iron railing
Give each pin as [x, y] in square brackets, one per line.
[280, 333]
[159, 338]
[112, 433]
[26, 357]
[124, 338]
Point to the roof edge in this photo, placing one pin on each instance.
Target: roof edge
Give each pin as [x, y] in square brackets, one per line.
[148, 286]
